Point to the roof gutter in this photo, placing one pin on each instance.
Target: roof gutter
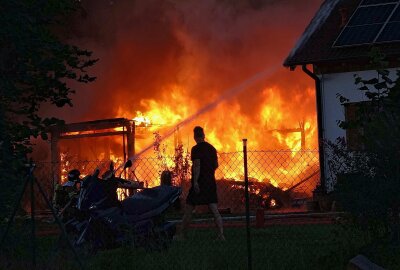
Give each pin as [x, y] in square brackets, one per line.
[320, 126]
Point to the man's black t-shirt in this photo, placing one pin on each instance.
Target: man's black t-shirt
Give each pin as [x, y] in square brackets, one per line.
[207, 155]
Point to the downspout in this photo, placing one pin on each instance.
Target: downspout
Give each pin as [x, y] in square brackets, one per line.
[320, 126]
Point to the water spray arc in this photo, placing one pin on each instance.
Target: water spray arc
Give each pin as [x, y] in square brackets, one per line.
[226, 95]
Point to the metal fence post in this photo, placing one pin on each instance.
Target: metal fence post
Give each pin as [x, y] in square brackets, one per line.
[33, 225]
[246, 192]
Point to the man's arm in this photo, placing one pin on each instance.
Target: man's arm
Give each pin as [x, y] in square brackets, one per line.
[196, 175]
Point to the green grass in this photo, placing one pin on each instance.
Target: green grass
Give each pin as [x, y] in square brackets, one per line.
[275, 247]
[279, 247]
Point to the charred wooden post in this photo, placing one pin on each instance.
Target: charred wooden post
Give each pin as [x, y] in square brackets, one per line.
[293, 130]
[55, 157]
[130, 135]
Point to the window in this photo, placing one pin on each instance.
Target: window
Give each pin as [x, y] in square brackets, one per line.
[358, 115]
[353, 134]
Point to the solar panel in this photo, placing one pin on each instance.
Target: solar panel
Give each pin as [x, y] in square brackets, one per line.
[358, 35]
[391, 32]
[371, 15]
[373, 21]
[396, 16]
[376, 2]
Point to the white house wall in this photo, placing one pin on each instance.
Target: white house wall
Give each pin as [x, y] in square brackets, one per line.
[333, 111]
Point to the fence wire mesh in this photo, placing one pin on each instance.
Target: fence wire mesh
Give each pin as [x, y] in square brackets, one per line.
[281, 183]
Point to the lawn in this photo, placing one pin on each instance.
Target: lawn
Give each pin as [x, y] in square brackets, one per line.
[279, 247]
[274, 247]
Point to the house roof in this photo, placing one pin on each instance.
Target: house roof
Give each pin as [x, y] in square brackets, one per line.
[315, 45]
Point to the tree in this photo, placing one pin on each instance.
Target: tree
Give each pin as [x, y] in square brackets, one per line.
[35, 68]
[368, 179]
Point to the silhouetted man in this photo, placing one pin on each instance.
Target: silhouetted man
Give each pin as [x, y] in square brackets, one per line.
[204, 189]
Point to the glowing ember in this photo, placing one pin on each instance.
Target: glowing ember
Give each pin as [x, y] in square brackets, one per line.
[141, 120]
[122, 193]
[272, 203]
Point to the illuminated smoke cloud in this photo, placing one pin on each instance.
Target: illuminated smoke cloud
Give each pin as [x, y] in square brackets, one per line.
[204, 46]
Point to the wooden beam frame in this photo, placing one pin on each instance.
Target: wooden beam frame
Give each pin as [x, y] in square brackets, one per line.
[104, 127]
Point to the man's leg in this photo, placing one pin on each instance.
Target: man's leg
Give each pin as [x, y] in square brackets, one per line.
[187, 217]
[218, 220]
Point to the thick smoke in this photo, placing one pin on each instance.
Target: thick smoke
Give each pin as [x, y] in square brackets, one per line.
[147, 46]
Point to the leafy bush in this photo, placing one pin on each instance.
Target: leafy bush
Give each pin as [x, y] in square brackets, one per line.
[35, 69]
[368, 178]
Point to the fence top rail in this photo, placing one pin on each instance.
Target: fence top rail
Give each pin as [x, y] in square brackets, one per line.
[170, 156]
[271, 151]
[283, 151]
[274, 151]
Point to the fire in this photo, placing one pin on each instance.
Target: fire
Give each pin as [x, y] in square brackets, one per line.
[64, 167]
[273, 126]
[141, 120]
[122, 194]
[227, 124]
[186, 63]
[273, 203]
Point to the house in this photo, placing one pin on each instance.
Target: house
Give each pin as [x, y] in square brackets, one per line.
[336, 44]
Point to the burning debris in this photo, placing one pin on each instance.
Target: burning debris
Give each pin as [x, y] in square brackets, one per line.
[263, 194]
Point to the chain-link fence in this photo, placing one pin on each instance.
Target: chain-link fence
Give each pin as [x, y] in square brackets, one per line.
[279, 180]
[283, 233]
